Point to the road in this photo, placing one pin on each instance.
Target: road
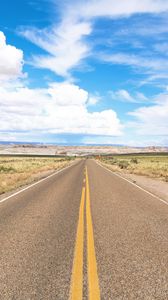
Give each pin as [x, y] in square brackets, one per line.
[83, 233]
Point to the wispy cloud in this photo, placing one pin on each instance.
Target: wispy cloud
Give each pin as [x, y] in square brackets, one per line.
[155, 68]
[113, 9]
[125, 96]
[148, 63]
[66, 45]
[141, 29]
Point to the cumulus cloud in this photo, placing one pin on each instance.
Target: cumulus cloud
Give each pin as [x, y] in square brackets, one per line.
[152, 120]
[61, 108]
[66, 94]
[11, 60]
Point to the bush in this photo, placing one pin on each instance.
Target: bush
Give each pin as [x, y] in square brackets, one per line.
[123, 164]
[134, 161]
[4, 169]
[113, 161]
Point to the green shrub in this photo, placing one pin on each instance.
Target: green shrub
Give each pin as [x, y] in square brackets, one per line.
[123, 164]
[113, 161]
[4, 169]
[134, 160]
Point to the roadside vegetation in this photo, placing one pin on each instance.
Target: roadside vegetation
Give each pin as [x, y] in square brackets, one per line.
[155, 166]
[18, 171]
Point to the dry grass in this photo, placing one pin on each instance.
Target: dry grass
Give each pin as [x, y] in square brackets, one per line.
[17, 171]
[155, 166]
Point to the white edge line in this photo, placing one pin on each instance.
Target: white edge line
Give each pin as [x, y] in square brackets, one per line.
[37, 182]
[139, 187]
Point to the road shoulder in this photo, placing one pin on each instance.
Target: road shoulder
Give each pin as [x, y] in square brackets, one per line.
[155, 186]
[37, 178]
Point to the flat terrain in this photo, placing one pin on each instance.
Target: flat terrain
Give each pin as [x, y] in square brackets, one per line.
[17, 171]
[151, 165]
[39, 149]
[84, 233]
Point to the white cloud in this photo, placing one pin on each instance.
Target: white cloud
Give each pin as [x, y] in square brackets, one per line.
[140, 97]
[66, 44]
[136, 61]
[125, 96]
[121, 95]
[158, 27]
[11, 60]
[65, 94]
[61, 108]
[152, 120]
[154, 67]
[93, 99]
[113, 8]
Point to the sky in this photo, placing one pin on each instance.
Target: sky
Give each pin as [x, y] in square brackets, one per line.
[84, 72]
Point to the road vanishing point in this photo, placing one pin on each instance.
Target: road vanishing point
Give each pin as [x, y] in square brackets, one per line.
[83, 233]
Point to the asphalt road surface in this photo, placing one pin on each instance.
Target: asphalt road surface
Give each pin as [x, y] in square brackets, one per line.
[83, 233]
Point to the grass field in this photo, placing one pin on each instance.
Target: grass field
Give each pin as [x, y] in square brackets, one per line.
[17, 171]
[155, 166]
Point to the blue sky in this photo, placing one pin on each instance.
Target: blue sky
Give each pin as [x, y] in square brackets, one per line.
[84, 71]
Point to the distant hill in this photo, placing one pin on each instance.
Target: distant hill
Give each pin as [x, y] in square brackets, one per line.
[79, 150]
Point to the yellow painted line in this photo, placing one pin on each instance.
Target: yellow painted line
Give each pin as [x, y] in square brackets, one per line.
[76, 290]
[93, 281]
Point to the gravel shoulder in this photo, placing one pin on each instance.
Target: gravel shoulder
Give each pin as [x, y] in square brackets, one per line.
[33, 179]
[153, 185]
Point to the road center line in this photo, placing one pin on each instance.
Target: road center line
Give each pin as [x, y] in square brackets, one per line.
[76, 290]
[93, 281]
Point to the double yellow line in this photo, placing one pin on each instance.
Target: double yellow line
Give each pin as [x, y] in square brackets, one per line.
[76, 290]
